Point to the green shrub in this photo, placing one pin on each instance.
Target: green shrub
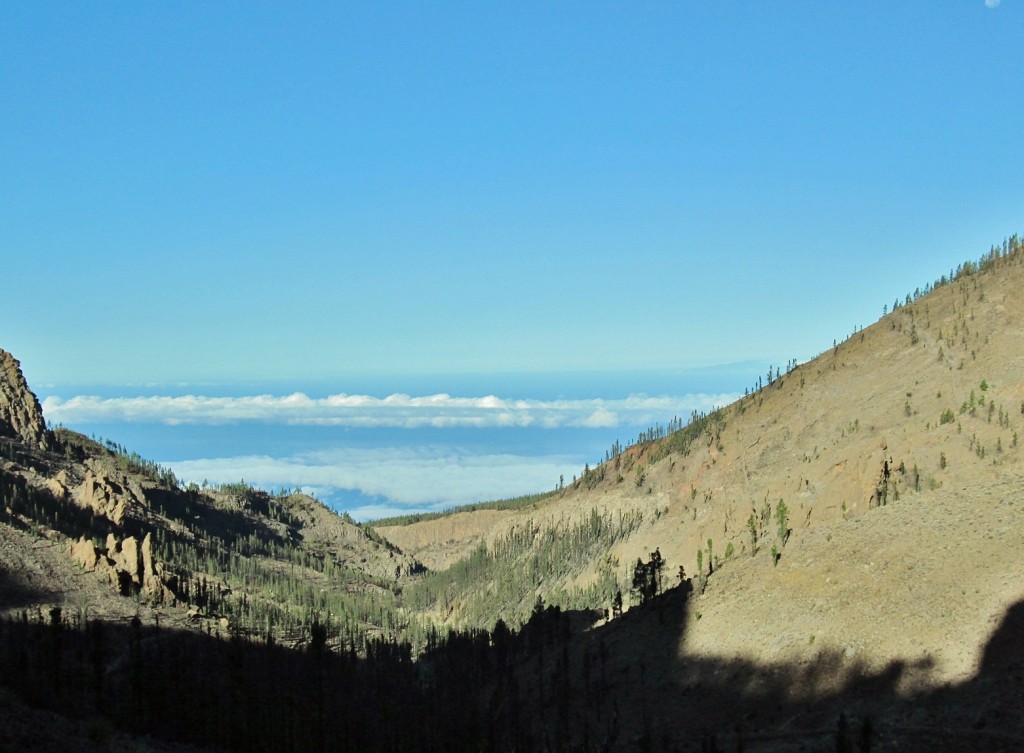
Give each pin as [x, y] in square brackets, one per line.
[641, 475]
[782, 518]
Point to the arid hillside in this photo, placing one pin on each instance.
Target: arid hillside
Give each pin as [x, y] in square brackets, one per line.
[834, 560]
[867, 502]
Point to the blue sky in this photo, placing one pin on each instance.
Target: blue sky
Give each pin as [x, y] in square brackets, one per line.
[216, 191]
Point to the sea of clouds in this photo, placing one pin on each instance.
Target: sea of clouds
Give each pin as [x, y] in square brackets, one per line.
[394, 411]
[375, 456]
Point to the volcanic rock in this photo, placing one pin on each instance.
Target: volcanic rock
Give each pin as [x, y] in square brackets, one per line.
[21, 417]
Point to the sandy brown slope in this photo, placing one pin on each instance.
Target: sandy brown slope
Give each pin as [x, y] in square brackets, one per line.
[919, 564]
[439, 542]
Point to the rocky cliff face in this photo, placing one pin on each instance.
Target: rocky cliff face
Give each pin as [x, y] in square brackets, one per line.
[20, 414]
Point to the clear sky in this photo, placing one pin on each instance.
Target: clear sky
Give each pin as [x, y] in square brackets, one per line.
[212, 191]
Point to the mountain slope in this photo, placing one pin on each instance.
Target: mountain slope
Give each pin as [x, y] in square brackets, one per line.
[888, 587]
[851, 535]
[886, 451]
[96, 530]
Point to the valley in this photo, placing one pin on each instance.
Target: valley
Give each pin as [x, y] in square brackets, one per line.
[841, 558]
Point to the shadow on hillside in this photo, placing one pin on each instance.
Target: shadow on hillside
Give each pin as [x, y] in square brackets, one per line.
[220, 692]
[620, 687]
[26, 506]
[15, 593]
[646, 696]
[198, 513]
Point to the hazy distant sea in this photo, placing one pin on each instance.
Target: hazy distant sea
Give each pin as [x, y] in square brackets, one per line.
[384, 445]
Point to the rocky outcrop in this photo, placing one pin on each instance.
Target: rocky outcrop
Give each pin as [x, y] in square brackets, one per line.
[20, 415]
[127, 559]
[58, 485]
[129, 565]
[85, 553]
[109, 496]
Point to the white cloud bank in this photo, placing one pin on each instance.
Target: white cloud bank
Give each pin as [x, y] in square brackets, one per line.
[405, 479]
[394, 411]
[384, 481]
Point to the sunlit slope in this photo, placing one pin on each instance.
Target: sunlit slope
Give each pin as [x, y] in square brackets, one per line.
[896, 457]
[925, 402]
[441, 541]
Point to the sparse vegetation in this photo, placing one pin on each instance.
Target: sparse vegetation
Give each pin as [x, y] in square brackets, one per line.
[647, 577]
[494, 633]
[494, 580]
[641, 476]
[782, 518]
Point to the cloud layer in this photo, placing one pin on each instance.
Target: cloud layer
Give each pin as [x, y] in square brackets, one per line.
[394, 411]
[410, 478]
[372, 482]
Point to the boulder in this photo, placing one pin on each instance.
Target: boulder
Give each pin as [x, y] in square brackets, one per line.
[85, 554]
[147, 571]
[159, 585]
[58, 485]
[130, 560]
